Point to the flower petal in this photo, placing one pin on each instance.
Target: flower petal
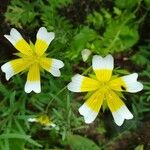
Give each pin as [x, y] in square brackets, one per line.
[14, 67]
[119, 111]
[32, 120]
[18, 42]
[81, 83]
[121, 114]
[132, 84]
[43, 40]
[91, 107]
[103, 67]
[33, 79]
[52, 65]
[85, 54]
[127, 83]
[88, 114]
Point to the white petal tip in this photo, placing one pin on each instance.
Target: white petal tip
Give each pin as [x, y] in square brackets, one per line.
[55, 72]
[8, 37]
[52, 125]
[132, 84]
[109, 56]
[56, 65]
[88, 121]
[121, 114]
[136, 88]
[75, 84]
[51, 35]
[43, 34]
[14, 36]
[99, 62]
[71, 87]
[88, 114]
[7, 69]
[32, 120]
[33, 86]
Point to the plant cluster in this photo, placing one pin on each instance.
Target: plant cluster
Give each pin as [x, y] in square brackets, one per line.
[115, 30]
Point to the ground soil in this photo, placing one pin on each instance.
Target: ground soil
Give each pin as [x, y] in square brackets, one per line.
[4, 28]
[129, 141]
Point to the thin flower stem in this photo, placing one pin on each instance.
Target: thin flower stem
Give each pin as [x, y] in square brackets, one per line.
[54, 98]
[46, 110]
[81, 127]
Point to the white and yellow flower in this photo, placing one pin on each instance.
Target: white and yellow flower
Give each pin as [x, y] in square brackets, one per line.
[105, 88]
[32, 58]
[43, 120]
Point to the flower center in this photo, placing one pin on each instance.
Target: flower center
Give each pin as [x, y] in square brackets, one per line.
[34, 58]
[104, 86]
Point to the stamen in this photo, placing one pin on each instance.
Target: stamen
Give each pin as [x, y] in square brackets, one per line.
[123, 88]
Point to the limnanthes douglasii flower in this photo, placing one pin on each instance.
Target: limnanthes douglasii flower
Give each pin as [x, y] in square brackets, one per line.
[43, 119]
[32, 58]
[105, 87]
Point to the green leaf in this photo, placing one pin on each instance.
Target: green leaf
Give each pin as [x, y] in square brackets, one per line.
[80, 40]
[21, 13]
[126, 4]
[4, 91]
[141, 58]
[16, 144]
[96, 19]
[147, 2]
[118, 37]
[121, 71]
[78, 142]
[19, 136]
[139, 147]
[117, 11]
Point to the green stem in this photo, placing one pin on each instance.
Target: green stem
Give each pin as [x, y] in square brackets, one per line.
[46, 110]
